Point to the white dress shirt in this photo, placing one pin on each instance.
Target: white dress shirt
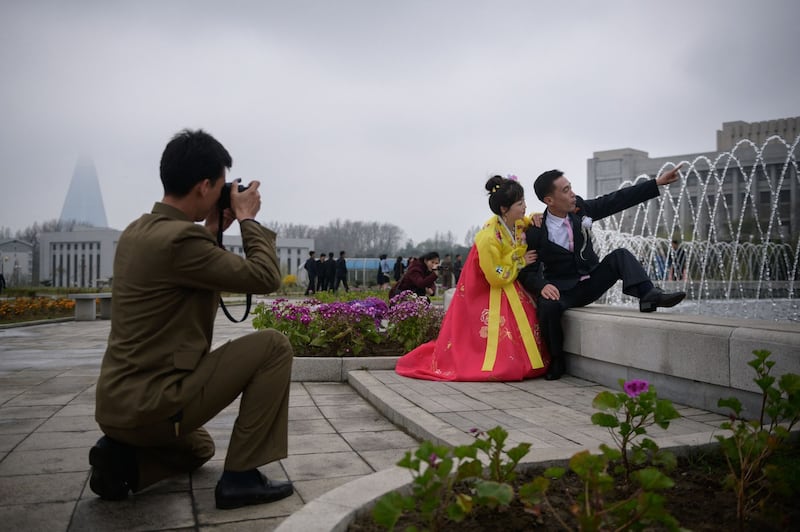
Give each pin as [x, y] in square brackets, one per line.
[558, 231]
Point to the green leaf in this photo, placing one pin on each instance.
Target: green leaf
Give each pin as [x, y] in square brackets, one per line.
[554, 472]
[388, 509]
[732, 403]
[531, 493]
[498, 434]
[518, 453]
[471, 469]
[584, 463]
[789, 383]
[605, 420]
[610, 453]
[497, 493]
[460, 508]
[665, 411]
[606, 401]
[465, 451]
[651, 479]
[764, 382]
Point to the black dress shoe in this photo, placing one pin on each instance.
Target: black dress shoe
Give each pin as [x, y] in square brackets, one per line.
[254, 489]
[556, 370]
[114, 469]
[658, 298]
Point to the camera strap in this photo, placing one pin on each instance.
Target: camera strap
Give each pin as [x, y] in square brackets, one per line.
[246, 309]
[249, 299]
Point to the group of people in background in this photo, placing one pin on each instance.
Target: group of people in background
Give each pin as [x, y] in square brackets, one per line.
[326, 274]
[420, 275]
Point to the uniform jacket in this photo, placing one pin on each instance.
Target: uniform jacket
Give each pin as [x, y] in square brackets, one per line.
[563, 268]
[168, 274]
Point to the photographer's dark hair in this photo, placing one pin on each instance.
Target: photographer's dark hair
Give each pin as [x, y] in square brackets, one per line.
[543, 185]
[190, 157]
[429, 255]
[503, 193]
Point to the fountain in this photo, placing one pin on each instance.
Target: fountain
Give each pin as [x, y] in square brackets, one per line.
[737, 231]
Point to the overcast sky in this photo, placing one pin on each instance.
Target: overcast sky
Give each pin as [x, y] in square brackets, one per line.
[391, 111]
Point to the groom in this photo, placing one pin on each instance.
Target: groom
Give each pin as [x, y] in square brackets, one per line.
[568, 272]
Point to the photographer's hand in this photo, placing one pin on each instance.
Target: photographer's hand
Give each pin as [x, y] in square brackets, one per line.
[247, 203]
[212, 220]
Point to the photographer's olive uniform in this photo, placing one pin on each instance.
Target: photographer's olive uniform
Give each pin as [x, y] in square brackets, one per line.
[160, 381]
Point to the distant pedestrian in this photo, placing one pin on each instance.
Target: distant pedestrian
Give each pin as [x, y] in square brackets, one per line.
[341, 273]
[330, 273]
[446, 271]
[2, 283]
[322, 268]
[311, 269]
[384, 271]
[399, 269]
[458, 264]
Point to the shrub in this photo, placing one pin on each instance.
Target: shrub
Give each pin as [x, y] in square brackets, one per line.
[354, 327]
[751, 444]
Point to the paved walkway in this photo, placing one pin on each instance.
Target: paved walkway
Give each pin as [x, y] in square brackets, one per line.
[336, 435]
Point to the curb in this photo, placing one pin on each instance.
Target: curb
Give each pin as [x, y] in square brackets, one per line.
[336, 369]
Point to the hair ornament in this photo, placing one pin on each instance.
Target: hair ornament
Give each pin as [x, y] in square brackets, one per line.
[512, 177]
[495, 188]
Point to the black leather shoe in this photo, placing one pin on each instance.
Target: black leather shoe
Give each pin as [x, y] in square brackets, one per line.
[556, 370]
[658, 298]
[256, 489]
[114, 470]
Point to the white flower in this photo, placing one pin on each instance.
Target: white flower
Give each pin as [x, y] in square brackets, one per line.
[586, 222]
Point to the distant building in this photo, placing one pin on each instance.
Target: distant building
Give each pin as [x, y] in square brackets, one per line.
[84, 201]
[16, 262]
[84, 257]
[607, 170]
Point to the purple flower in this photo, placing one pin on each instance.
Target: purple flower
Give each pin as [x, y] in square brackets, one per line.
[635, 387]
[433, 460]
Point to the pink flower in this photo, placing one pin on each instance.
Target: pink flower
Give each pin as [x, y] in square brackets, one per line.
[635, 387]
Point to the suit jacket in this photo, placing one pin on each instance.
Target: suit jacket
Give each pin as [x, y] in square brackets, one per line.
[563, 268]
[168, 274]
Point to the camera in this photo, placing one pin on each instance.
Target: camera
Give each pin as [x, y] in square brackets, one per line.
[225, 196]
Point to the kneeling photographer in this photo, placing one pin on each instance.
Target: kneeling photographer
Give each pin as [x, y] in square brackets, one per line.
[160, 381]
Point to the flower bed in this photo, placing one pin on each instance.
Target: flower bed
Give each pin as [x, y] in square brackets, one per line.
[34, 308]
[748, 482]
[359, 327]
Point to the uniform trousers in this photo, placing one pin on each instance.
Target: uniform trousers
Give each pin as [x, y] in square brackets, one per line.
[619, 264]
[258, 366]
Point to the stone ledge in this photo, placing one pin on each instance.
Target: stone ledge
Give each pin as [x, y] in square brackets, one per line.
[694, 360]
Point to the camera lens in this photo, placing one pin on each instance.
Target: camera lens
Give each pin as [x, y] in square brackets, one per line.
[225, 195]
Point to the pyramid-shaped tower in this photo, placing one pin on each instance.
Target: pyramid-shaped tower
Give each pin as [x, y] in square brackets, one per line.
[84, 202]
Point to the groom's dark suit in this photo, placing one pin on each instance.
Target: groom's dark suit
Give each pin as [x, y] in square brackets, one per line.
[566, 269]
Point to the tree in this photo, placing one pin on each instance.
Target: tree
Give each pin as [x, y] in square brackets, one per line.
[357, 238]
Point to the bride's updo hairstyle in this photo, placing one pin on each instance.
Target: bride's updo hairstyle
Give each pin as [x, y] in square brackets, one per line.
[503, 193]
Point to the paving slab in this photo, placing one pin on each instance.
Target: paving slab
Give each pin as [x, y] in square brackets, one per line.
[47, 427]
[344, 437]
